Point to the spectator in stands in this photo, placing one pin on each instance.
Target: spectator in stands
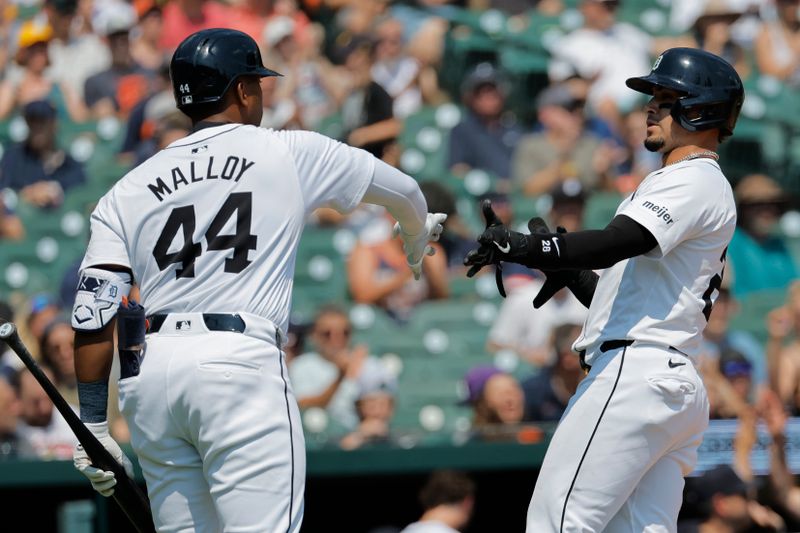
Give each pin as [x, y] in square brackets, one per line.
[12, 444]
[487, 134]
[37, 167]
[447, 500]
[758, 254]
[497, 400]
[738, 370]
[303, 28]
[145, 115]
[378, 273]
[605, 50]
[395, 70]
[375, 408]
[548, 392]
[185, 17]
[725, 504]
[10, 225]
[366, 110]
[330, 376]
[307, 85]
[295, 341]
[356, 18]
[116, 90]
[168, 129]
[32, 81]
[712, 33]
[427, 48]
[74, 55]
[726, 400]
[781, 479]
[249, 16]
[719, 337]
[777, 47]
[567, 205]
[43, 310]
[563, 149]
[41, 425]
[144, 41]
[56, 351]
[783, 324]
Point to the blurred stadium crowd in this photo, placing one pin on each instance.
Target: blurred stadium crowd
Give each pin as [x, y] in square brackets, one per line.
[520, 101]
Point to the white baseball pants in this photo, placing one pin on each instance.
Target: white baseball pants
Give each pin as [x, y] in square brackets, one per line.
[630, 434]
[216, 428]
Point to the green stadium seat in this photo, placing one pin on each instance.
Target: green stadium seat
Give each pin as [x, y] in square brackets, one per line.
[600, 209]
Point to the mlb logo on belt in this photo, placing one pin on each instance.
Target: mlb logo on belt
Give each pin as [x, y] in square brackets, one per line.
[183, 325]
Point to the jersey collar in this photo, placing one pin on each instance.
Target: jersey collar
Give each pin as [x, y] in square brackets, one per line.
[203, 124]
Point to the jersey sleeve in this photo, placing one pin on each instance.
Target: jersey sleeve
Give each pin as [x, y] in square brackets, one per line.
[331, 173]
[674, 208]
[106, 241]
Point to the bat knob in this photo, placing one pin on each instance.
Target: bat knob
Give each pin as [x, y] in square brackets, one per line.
[7, 330]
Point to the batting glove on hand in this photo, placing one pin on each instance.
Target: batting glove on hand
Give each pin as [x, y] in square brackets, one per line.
[417, 247]
[103, 481]
[555, 279]
[498, 243]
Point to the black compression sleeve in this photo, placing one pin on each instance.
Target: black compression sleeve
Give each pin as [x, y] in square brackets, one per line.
[622, 239]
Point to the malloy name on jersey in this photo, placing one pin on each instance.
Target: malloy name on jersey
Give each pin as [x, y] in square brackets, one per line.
[233, 168]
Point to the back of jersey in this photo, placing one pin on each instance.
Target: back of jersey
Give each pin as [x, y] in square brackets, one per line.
[212, 222]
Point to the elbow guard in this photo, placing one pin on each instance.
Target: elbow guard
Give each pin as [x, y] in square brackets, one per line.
[97, 298]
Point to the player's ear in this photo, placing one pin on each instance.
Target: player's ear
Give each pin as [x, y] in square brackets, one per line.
[241, 91]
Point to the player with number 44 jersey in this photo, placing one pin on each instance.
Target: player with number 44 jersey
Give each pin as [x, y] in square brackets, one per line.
[208, 229]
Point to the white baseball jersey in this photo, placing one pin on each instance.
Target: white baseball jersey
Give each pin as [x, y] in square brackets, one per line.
[664, 297]
[212, 222]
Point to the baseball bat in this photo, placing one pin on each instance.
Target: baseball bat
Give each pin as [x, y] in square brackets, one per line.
[126, 493]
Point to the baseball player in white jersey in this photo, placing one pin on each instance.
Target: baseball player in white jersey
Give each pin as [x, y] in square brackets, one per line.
[208, 228]
[630, 433]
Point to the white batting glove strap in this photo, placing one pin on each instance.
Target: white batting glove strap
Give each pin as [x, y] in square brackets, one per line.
[416, 247]
[103, 481]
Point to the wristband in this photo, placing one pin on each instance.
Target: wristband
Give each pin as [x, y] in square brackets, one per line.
[93, 401]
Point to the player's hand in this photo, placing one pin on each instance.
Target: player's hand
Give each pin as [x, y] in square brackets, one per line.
[497, 243]
[418, 246]
[103, 481]
[555, 279]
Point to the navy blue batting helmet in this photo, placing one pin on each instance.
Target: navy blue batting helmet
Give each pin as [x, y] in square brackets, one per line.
[206, 63]
[711, 91]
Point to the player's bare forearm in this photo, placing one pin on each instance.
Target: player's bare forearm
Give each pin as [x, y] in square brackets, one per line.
[94, 353]
[781, 477]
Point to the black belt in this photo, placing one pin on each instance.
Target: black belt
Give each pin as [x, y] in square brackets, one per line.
[213, 321]
[604, 347]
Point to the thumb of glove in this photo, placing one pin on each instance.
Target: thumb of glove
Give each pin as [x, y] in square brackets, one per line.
[548, 290]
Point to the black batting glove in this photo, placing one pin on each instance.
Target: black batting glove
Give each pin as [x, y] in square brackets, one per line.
[497, 243]
[555, 279]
